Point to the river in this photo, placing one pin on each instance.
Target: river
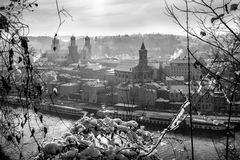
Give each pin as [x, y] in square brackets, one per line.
[207, 145]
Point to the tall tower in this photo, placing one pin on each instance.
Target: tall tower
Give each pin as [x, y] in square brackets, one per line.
[142, 72]
[143, 61]
[73, 53]
[86, 51]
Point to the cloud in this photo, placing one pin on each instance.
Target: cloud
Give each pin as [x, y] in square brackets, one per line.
[100, 17]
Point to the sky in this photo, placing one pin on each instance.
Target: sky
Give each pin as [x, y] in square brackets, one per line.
[102, 17]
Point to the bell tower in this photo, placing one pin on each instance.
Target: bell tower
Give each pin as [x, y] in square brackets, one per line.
[73, 53]
[143, 61]
[86, 52]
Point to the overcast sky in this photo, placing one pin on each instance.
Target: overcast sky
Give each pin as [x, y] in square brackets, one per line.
[102, 17]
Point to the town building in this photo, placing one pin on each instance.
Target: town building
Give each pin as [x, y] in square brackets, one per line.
[137, 94]
[140, 73]
[174, 80]
[90, 90]
[177, 93]
[203, 103]
[179, 67]
[68, 88]
[107, 97]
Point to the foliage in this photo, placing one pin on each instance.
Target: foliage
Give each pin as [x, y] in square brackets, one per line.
[106, 138]
[20, 83]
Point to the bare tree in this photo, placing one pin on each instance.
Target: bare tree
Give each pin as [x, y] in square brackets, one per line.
[215, 23]
[21, 84]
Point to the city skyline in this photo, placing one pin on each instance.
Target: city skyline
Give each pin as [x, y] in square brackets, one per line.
[102, 18]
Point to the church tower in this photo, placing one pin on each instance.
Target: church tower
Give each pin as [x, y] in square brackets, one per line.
[142, 73]
[86, 52]
[143, 61]
[73, 53]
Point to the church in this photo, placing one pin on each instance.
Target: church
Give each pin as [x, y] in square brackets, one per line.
[136, 73]
[65, 57]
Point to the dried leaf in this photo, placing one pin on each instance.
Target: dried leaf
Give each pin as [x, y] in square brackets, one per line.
[6, 86]
[39, 149]
[32, 132]
[202, 33]
[22, 124]
[9, 138]
[216, 18]
[41, 118]
[234, 7]
[39, 89]
[20, 155]
[18, 138]
[2, 8]
[45, 131]
[35, 109]
[19, 59]
[24, 43]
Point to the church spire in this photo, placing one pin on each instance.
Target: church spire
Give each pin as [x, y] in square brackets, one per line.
[143, 46]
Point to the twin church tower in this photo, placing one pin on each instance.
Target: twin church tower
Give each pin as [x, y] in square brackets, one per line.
[73, 55]
[85, 53]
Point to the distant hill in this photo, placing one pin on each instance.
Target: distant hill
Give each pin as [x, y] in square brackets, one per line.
[121, 45]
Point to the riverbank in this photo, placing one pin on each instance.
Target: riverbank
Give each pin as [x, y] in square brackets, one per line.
[177, 144]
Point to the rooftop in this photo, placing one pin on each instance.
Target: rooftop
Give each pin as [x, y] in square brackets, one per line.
[175, 78]
[95, 83]
[69, 84]
[177, 88]
[126, 66]
[161, 100]
[125, 105]
[182, 60]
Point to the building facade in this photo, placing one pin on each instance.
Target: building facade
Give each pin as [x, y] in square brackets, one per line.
[91, 89]
[140, 73]
[136, 94]
[179, 67]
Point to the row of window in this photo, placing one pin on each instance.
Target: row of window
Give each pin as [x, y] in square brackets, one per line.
[204, 107]
[135, 76]
[122, 75]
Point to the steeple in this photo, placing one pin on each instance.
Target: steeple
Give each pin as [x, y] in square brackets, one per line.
[143, 46]
[143, 56]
